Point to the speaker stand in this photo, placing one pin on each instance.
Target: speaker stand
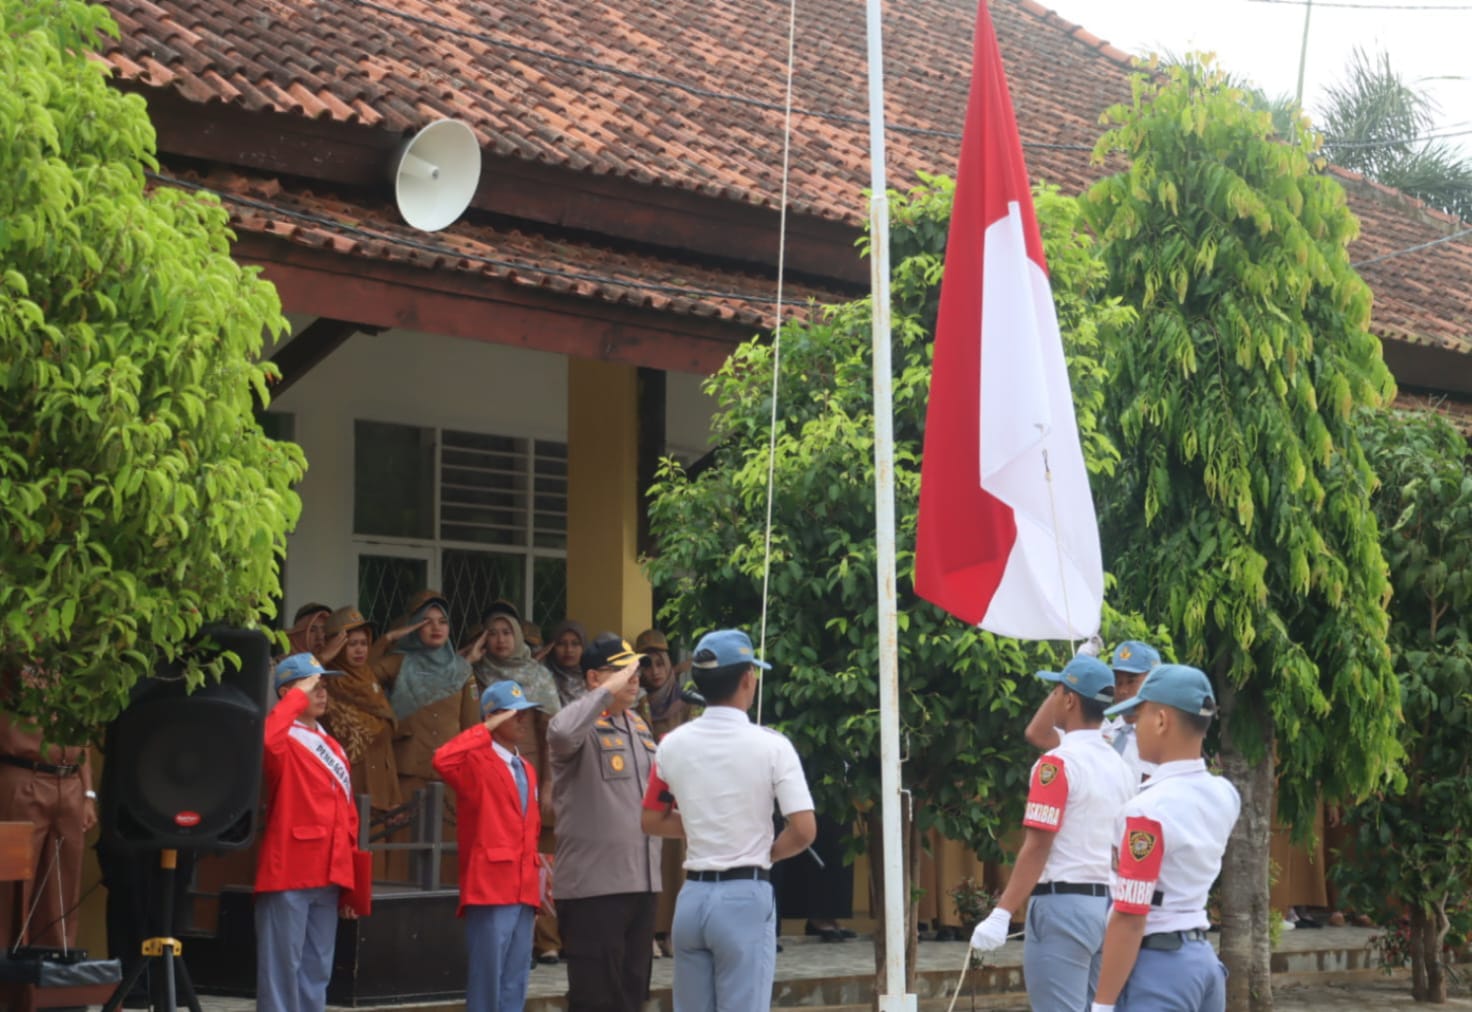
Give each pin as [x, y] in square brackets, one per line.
[167, 952]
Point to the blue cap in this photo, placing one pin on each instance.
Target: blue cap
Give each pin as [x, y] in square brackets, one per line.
[505, 695]
[1088, 676]
[299, 666]
[1178, 685]
[1135, 657]
[729, 646]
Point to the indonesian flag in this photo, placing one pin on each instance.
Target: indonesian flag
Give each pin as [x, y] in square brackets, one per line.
[994, 546]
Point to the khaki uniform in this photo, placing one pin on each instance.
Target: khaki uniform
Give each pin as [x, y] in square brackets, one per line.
[54, 803]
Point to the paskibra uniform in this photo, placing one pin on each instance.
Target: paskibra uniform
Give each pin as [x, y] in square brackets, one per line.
[1171, 839]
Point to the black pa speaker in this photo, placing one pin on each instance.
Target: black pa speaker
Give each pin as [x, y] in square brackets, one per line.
[183, 770]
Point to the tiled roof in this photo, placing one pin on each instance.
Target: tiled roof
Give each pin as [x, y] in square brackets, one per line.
[687, 94]
[355, 228]
[1458, 412]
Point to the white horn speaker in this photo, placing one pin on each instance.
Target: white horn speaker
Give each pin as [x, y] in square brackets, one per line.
[435, 174]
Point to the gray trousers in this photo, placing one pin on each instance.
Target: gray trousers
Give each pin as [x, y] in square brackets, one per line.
[725, 949]
[296, 932]
[498, 940]
[1063, 949]
[1190, 979]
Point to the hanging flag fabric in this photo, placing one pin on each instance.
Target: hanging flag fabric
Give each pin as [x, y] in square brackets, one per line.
[994, 547]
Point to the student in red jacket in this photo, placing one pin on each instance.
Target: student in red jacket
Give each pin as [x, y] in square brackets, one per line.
[308, 862]
[498, 823]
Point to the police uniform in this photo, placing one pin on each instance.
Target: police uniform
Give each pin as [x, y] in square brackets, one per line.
[308, 865]
[1132, 658]
[498, 826]
[1075, 793]
[724, 773]
[1171, 839]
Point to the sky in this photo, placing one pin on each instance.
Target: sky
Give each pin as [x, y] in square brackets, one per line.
[1260, 40]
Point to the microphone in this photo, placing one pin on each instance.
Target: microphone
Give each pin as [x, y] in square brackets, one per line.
[689, 695]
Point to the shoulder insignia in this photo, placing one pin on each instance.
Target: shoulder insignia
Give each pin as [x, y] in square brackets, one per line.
[1046, 773]
[1142, 844]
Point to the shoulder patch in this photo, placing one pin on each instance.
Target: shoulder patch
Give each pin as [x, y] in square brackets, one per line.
[1141, 853]
[1047, 794]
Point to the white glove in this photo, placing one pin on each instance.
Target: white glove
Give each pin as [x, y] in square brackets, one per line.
[992, 933]
[1091, 647]
[1096, 1007]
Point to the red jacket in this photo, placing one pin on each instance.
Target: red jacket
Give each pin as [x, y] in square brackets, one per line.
[311, 830]
[497, 840]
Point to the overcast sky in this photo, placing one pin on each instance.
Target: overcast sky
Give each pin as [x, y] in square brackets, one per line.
[1261, 40]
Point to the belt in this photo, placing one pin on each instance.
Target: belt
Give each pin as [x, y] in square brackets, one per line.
[64, 770]
[1070, 889]
[751, 871]
[1170, 941]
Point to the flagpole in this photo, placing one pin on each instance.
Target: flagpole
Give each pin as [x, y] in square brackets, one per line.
[893, 998]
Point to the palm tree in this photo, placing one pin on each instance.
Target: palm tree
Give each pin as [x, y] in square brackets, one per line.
[1377, 124]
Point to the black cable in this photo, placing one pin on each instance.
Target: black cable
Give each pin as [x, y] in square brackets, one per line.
[1367, 6]
[33, 932]
[446, 251]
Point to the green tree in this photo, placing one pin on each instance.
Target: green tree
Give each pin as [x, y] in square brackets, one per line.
[1412, 850]
[139, 497]
[1377, 124]
[1241, 516]
[965, 694]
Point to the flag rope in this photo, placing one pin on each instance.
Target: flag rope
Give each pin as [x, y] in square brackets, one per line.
[777, 342]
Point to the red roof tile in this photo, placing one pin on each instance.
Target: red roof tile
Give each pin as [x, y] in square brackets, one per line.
[688, 94]
[266, 206]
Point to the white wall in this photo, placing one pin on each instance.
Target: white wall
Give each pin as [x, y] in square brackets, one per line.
[428, 380]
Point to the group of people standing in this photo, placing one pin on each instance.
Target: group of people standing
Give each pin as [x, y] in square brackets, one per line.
[614, 786]
[1124, 834]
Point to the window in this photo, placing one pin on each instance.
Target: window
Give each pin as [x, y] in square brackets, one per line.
[476, 515]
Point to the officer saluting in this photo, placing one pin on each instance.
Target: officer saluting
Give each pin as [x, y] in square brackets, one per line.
[725, 773]
[1131, 662]
[1075, 793]
[1156, 956]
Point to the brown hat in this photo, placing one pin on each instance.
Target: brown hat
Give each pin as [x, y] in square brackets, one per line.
[345, 620]
[425, 598]
[307, 614]
[651, 639]
[531, 633]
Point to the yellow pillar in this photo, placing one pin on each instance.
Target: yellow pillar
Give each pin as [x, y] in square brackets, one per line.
[606, 589]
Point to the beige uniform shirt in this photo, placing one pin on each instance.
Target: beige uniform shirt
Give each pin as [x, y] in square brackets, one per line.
[600, 766]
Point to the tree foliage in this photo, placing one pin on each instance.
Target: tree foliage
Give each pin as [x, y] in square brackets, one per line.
[140, 497]
[1377, 124]
[1241, 516]
[965, 693]
[1413, 848]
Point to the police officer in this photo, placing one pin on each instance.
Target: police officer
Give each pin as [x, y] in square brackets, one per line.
[1132, 661]
[714, 783]
[1173, 833]
[1075, 792]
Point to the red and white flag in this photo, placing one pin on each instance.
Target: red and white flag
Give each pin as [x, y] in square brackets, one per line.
[994, 547]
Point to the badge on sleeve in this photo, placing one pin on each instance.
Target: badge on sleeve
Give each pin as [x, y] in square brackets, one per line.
[1141, 852]
[1047, 795]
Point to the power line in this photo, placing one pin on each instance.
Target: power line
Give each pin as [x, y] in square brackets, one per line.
[1367, 6]
[1412, 249]
[1397, 142]
[449, 251]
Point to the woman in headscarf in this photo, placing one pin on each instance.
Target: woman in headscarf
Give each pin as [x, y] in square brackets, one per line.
[507, 656]
[307, 634]
[564, 660]
[358, 713]
[433, 694]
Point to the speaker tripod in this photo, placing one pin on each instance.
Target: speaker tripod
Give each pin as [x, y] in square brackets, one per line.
[164, 951]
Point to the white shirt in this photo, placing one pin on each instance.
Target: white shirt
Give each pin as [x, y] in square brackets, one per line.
[511, 759]
[1171, 839]
[1076, 792]
[1115, 728]
[724, 773]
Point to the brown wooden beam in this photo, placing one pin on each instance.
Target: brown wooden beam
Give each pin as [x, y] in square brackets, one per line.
[1429, 367]
[353, 155]
[653, 435]
[305, 351]
[369, 293]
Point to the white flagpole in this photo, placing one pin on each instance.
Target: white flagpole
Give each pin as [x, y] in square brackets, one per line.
[894, 998]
